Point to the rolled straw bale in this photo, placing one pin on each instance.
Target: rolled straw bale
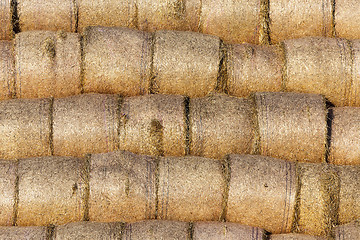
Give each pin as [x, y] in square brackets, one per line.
[295, 236]
[47, 15]
[47, 64]
[226, 231]
[185, 63]
[85, 124]
[254, 68]
[7, 70]
[25, 128]
[122, 187]
[262, 192]
[116, 60]
[153, 125]
[6, 13]
[155, 229]
[292, 126]
[24, 233]
[7, 189]
[349, 231]
[319, 65]
[221, 125]
[52, 190]
[190, 189]
[345, 136]
[347, 22]
[300, 18]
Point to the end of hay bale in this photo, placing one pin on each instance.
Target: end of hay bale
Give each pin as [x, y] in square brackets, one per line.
[347, 22]
[348, 231]
[6, 13]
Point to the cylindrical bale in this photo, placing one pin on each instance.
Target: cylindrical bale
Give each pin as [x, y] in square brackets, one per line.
[52, 190]
[292, 126]
[221, 125]
[153, 125]
[345, 136]
[233, 21]
[354, 96]
[190, 189]
[155, 229]
[168, 15]
[47, 15]
[300, 18]
[6, 14]
[7, 70]
[185, 63]
[24, 233]
[85, 123]
[88, 231]
[295, 236]
[347, 22]
[116, 60]
[122, 187]
[226, 231]
[25, 128]
[262, 192]
[319, 65]
[349, 231]
[47, 64]
[7, 188]
[254, 68]
[107, 13]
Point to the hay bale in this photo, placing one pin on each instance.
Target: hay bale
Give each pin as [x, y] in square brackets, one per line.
[122, 187]
[116, 60]
[8, 192]
[185, 63]
[262, 192]
[153, 125]
[292, 126]
[319, 65]
[47, 64]
[51, 191]
[347, 22]
[6, 12]
[23, 233]
[354, 89]
[47, 15]
[85, 124]
[348, 231]
[221, 125]
[226, 231]
[7, 70]
[190, 189]
[300, 18]
[254, 68]
[295, 236]
[25, 128]
[345, 136]
[155, 229]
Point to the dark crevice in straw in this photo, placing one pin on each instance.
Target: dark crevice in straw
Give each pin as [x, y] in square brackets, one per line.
[136, 17]
[226, 172]
[348, 96]
[256, 128]
[76, 13]
[187, 125]
[83, 40]
[153, 89]
[51, 126]
[329, 124]
[333, 20]
[50, 232]
[296, 217]
[221, 85]
[157, 186]
[15, 16]
[120, 119]
[284, 76]
[122, 230]
[16, 195]
[190, 230]
[264, 37]
[85, 177]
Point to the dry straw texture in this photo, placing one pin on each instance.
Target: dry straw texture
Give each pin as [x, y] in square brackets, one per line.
[254, 68]
[349, 231]
[51, 191]
[221, 125]
[7, 70]
[25, 128]
[47, 64]
[122, 187]
[185, 63]
[262, 192]
[347, 22]
[85, 124]
[295, 236]
[23, 233]
[292, 126]
[7, 189]
[6, 30]
[354, 95]
[116, 60]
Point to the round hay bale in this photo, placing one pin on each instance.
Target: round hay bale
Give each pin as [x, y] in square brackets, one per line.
[6, 13]
[190, 189]
[51, 191]
[345, 136]
[319, 65]
[153, 125]
[254, 68]
[262, 192]
[347, 22]
[122, 187]
[25, 128]
[221, 125]
[155, 229]
[47, 15]
[295, 236]
[116, 60]
[300, 18]
[7, 70]
[23, 233]
[354, 89]
[47, 64]
[8, 192]
[185, 63]
[348, 231]
[85, 124]
[292, 126]
[226, 231]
